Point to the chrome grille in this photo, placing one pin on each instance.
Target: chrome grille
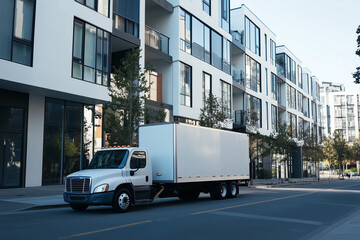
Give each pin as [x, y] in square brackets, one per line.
[78, 185]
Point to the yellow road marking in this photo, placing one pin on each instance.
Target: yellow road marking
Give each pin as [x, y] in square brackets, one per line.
[106, 229]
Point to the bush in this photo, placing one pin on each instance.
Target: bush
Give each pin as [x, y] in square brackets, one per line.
[264, 174]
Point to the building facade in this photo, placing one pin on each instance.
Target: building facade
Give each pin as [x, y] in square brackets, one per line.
[57, 60]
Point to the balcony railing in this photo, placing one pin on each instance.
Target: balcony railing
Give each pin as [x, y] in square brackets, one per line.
[156, 40]
[238, 37]
[238, 75]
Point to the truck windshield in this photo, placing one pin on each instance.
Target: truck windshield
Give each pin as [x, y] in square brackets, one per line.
[109, 159]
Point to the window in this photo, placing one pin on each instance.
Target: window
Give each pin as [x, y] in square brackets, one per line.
[266, 80]
[299, 101]
[126, 25]
[225, 15]
[185, 31]
[291, 97]
[274, 118]
[301, 127]
[138, 160]
[252, 74]
[126, 16]
[272, 52]
[207, 6]
[306, 82]
[216, 47]
[292, 123]
[252, 36]
[206, 86]
[226, 56]
[200, 40]
[226, 98]
[267, 115]
[101, 6]
[300, 81]
[185, 85]
[16, 24]
[90, 53]
[286, 67]
[266, 52]
[274, 86]
[252, 106]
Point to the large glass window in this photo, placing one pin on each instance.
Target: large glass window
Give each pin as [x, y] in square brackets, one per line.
[286, 66]
[274, 86]
[291, 97]
[266, 51]
[185, 85]
[101, 6]
[226, 56]
[68, 139]
[306, 82]
[207, 6]
[299, 101]
[216, 47]
[206, 86]
[292, 124]
[300, 81]
[185, 31]
[272, 52]
[225, 15]
[252, 106]
[252, 74]
[198, 38]
[90, 53]
[226, 98]
[274, 118]
[252, 36]
[16, 24]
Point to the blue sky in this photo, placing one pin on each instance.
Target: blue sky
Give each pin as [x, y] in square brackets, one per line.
[321, 33]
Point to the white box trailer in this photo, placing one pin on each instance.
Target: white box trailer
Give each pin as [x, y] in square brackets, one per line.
[172, 160]
[183, 153]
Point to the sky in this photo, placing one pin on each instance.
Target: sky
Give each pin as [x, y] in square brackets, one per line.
[320, 33]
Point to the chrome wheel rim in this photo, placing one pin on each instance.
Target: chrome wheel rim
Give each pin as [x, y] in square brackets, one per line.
[223, 191]
[124, 201]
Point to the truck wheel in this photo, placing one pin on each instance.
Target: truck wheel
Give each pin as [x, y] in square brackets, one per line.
[189, 195]
[233, 190]
[79, 207]
[219, 191]
[122, 200]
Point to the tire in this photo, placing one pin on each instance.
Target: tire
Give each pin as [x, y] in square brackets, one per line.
[79, 207]
[189, 195]
[122, 200]
[219, 191]
[233, 190]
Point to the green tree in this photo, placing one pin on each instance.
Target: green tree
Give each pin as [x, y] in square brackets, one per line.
[330, 155]
[212, 114]
[356, 75]
[341, 148]
[355, 149]
[312, 150]
[128, 92]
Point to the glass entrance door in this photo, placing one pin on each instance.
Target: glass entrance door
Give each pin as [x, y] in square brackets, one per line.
[11, 146]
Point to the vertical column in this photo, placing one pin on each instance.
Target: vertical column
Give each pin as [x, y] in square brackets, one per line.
[35, 136]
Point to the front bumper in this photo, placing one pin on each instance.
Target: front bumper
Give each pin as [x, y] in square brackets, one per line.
[104, 198]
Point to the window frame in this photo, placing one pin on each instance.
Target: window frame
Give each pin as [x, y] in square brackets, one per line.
[208, 4]
[183, 86]
[96, 7]
[226, 108]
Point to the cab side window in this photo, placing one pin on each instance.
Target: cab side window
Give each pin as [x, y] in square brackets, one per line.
[138, 160]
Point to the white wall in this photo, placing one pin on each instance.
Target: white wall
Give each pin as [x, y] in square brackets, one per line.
[35, 139]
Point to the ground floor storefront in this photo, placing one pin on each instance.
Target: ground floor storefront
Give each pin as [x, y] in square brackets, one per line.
[44, 139]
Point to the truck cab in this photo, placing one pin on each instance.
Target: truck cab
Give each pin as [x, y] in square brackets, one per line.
[117, 176]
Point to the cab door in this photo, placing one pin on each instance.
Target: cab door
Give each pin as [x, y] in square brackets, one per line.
[140, 175]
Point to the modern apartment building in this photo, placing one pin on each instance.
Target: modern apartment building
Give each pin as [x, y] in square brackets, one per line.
[57, 57]
[325, 89]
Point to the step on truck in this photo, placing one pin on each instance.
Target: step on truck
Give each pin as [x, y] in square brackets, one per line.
[172, 160]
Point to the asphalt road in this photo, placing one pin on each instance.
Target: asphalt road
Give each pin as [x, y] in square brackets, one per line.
[317, 211]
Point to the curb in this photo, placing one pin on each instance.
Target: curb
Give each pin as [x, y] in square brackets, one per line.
[43, 207]
[284, 184]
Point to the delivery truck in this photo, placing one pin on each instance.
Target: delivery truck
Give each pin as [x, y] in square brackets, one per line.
[172, 159]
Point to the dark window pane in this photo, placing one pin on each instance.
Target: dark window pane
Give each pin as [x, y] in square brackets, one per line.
[21, 53]
[6, 19]
[10, 159]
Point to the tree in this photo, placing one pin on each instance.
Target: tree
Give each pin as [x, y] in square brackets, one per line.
[355, 149]
[341, 148]
[212, 114]
[128, 92]
[356, 75]
[312, 150]
[329, 152]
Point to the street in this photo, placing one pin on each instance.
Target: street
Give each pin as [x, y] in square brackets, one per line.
[315, 211]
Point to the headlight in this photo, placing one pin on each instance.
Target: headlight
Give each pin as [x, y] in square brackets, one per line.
[101, 188]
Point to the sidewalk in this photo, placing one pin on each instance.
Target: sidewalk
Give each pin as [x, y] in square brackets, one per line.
[19, 199]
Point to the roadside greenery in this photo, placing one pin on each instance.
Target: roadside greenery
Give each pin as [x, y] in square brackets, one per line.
[212, 114]
[356, 75]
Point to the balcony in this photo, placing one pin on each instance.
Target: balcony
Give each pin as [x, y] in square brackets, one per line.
[157, 46]
[239, 120]
[156, 40]
[238, 75]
